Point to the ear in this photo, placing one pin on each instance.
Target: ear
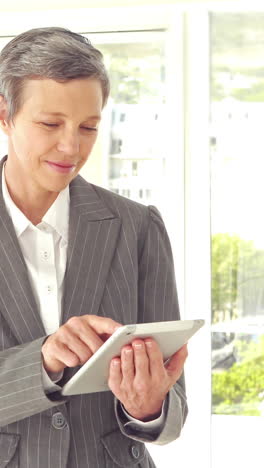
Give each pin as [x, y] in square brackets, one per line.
[3, 115]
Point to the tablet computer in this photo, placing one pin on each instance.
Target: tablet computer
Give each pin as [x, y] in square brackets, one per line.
[93, 375]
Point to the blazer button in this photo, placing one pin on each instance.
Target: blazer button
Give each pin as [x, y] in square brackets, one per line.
[135, 452]
[59, 421]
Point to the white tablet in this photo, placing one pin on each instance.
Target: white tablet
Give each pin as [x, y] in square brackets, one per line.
[93, 375]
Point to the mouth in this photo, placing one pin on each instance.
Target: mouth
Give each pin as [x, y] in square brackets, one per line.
[62, 167]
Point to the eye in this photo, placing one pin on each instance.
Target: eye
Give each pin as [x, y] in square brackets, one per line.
[54, 125]
[47, 124]
[90, 129]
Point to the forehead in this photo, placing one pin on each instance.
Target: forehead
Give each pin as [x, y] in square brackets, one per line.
[74, 96]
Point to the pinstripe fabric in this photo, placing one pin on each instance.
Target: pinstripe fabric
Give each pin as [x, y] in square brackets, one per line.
[119, 265]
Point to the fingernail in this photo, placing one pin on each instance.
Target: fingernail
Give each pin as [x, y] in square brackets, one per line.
[128, 350]
[137, 345]
[115, 362]
[148, 344]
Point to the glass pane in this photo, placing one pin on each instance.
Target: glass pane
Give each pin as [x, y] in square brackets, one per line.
[136, 157]
[237, 190]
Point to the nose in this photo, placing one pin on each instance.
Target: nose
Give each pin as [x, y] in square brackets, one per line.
[69, 142]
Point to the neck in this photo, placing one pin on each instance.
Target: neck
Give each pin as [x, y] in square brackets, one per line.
[32, 202]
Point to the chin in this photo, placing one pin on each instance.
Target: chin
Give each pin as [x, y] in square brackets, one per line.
[56, 186]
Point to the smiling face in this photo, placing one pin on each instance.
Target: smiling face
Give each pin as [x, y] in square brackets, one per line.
[53, 133]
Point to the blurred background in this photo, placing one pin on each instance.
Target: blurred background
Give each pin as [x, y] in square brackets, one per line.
[183, 131]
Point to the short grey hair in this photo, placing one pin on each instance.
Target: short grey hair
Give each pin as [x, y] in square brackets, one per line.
[54, 53]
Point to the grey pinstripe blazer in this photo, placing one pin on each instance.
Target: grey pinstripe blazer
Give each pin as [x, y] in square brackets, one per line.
[119, 265]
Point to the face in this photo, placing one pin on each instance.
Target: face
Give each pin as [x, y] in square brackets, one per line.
[53, 132]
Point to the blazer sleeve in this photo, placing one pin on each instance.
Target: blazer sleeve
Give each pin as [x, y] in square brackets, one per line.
[22, 391]
[158, 301]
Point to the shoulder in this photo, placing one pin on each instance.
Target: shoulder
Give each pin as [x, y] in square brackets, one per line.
[119, 204]
[132, 213]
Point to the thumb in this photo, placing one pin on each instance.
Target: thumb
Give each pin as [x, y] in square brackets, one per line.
[175, 365]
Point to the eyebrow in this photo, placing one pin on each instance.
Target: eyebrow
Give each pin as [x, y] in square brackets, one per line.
[60, 114]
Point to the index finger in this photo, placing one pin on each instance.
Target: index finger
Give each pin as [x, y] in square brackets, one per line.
[102, 325]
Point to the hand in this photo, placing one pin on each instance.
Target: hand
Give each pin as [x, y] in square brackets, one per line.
[76, 341]
[141, 381]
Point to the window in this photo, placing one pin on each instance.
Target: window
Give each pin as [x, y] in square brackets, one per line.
[136, 113]
[190, 82]
[237, 109]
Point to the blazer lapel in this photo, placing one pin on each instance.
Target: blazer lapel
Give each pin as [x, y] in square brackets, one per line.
[17, 302]
[93, 232]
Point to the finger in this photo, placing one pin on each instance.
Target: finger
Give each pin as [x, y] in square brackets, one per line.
[141, 359]
[175, 365]
[80, 349]
[78, 329]
[115, 376]
[91, 339]
[67, 357]
[57, 356]
[156, 364]
[127, 365]
[69, 338]
[102, 325]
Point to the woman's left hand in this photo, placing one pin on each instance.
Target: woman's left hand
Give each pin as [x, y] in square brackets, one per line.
[140, 380]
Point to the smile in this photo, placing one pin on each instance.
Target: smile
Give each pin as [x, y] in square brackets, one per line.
[62, 167]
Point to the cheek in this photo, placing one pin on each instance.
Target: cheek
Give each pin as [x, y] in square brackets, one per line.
[42, 144]
[91, 143]
[22, 145]
[32, 146]
[87, 147]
